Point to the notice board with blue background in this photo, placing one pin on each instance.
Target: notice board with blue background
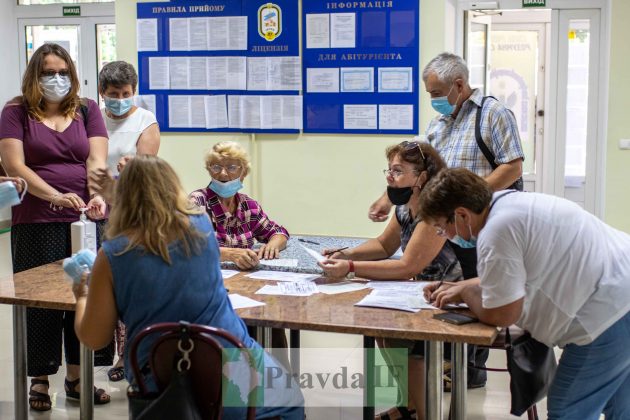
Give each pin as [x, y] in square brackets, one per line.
[230, 66]
[361, 69]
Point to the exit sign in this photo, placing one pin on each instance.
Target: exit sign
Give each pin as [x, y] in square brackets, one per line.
[534, 3]
[72, 10]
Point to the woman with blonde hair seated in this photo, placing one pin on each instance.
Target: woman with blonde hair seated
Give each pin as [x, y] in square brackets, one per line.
[238, 220]
[161, 264]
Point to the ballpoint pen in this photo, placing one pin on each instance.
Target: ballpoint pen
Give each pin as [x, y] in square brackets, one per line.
[332, 251]
[306, 241]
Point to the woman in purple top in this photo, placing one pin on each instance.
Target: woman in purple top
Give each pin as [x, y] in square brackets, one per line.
[237, 219]
[47, 139]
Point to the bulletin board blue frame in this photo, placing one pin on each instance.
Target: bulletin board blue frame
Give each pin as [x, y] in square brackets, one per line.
[387, 35]
[285, 45]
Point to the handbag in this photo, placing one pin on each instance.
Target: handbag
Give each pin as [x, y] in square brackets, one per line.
[532, 366]
[177, 401]
[518, 184]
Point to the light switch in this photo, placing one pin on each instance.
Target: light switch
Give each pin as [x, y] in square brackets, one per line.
[624, 143]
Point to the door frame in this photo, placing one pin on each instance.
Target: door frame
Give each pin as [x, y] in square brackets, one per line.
[603, 63]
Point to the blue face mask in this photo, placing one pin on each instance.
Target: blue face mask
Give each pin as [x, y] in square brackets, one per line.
[442, 105]
[9, 195]
[118, 107]
[226, 189]
[463, 243]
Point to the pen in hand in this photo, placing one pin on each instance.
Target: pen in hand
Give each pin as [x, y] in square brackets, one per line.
[329, 253]
[431, 300]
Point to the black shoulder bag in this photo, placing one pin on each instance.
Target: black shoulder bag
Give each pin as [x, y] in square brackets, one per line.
[518, 184]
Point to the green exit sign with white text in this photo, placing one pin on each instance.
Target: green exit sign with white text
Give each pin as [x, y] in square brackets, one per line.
[72, 10]
[534, 3]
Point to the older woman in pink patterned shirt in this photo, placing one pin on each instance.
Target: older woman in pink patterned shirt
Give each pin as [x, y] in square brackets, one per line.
[238, 220]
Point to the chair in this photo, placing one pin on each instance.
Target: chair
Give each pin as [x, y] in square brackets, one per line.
[499, 343]
[189, 347]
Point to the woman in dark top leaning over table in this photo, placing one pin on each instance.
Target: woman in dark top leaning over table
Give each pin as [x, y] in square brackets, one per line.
[426, 256]
[160, 263]
[48, 139]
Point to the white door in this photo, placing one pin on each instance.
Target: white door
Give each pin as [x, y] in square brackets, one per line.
[477, 49]
[576, 93]
[91, 42]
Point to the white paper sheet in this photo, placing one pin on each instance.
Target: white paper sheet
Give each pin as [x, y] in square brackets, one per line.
[357, 79]
[341, 287]
[342, 30]
[281, 262]
[292, 111]
[395, 117]
[228, 273]
[359, 117]
[289, 289]
[147, 35]
[240, 302]
[198, 34]
[178, 34]
[385, 299]
[178, 72]
[407, 287]
[197, 111]
[271, 112]
[217, 33]
[198, 73]
[395, 79]
[284, 73]
[318, 30]
[158, 73]
[237, 39]
[316, 255]
[250, 111]
[179, 111]
[282, 276]
[234, 111]
[257, 73]
[145, 101]
[237, 73]
[324, 80]
[216, 111]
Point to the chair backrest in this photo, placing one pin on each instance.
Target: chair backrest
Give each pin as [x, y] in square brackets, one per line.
[191, 347]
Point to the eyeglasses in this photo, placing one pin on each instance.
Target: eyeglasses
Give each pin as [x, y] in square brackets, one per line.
[52, 73]
[395, 173]
[412, 150]
[441, 231]
[230, 169]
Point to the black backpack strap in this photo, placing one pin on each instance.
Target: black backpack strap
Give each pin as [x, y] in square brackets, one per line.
[484, 148]
[83, 109]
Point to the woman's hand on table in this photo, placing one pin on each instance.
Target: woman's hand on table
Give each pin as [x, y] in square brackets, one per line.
[96, 208]
[335, 268]
[443, 293]
[80, 289]
[268, 252]
[244, 259]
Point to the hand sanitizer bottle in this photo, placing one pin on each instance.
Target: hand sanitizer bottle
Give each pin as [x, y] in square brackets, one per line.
[83, 234]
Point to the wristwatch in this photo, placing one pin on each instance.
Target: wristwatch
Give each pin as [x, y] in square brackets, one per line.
[350, 274]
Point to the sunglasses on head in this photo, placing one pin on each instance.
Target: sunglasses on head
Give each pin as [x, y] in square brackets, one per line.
[412, 149]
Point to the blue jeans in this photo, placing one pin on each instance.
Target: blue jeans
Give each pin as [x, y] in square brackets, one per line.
[594, 378]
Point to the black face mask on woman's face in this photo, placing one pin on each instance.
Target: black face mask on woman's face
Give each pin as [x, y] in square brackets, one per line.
[399, 196]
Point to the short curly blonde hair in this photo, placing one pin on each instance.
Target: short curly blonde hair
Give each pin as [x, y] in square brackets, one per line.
[228, 150]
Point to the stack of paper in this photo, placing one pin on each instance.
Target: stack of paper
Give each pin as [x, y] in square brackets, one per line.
[297, 288]
[395, 300]
[281, 262]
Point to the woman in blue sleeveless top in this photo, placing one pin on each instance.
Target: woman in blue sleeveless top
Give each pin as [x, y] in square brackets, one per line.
[162, 265]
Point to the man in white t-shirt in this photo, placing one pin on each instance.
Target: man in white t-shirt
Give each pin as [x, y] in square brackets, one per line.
[554, 270]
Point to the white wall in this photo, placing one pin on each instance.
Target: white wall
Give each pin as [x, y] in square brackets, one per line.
[10, 80]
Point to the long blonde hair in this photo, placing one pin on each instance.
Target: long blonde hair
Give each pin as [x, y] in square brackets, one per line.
[32, 95]
[152, 209]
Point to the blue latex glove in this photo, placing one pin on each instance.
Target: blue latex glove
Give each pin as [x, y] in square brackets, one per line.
[78, 264]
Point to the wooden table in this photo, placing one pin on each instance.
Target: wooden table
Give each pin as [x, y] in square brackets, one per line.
[46, 287]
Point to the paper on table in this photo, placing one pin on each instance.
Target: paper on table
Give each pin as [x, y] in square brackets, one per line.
[318, 30]
[282, 276]
[342, 30]
[280, 262]
[359, 117]
[401, 302]
[297, 288]
[341, 287]
[319, 257]
[324, 80]
[228, 273]
[147, 37]
[158, 73]
[395, 117]
[401, 286]
[239, 302]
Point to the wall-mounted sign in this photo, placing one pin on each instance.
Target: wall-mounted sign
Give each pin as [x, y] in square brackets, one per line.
[534, 3]
[71, 10]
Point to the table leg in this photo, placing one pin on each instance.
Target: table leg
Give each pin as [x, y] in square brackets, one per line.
[19, 362]
[267, 338]
[433, 355]
[459, 368]
[294, 344]
[368, 369]
[87, 383]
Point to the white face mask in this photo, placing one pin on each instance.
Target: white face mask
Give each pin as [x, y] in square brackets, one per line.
[55, 88]
[9, 195]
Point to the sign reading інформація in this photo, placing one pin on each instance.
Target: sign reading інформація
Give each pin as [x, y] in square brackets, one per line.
[534, 3]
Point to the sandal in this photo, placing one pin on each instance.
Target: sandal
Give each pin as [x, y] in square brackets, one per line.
[76, 395]
[39, 401]
[116, 374]
[397, 413]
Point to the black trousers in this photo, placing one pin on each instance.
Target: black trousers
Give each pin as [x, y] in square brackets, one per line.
[33, 245]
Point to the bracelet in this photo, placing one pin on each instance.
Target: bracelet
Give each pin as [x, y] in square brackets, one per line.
[53, 206]
[350, 274]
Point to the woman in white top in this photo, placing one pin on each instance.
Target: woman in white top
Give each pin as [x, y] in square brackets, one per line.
[132, 130]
